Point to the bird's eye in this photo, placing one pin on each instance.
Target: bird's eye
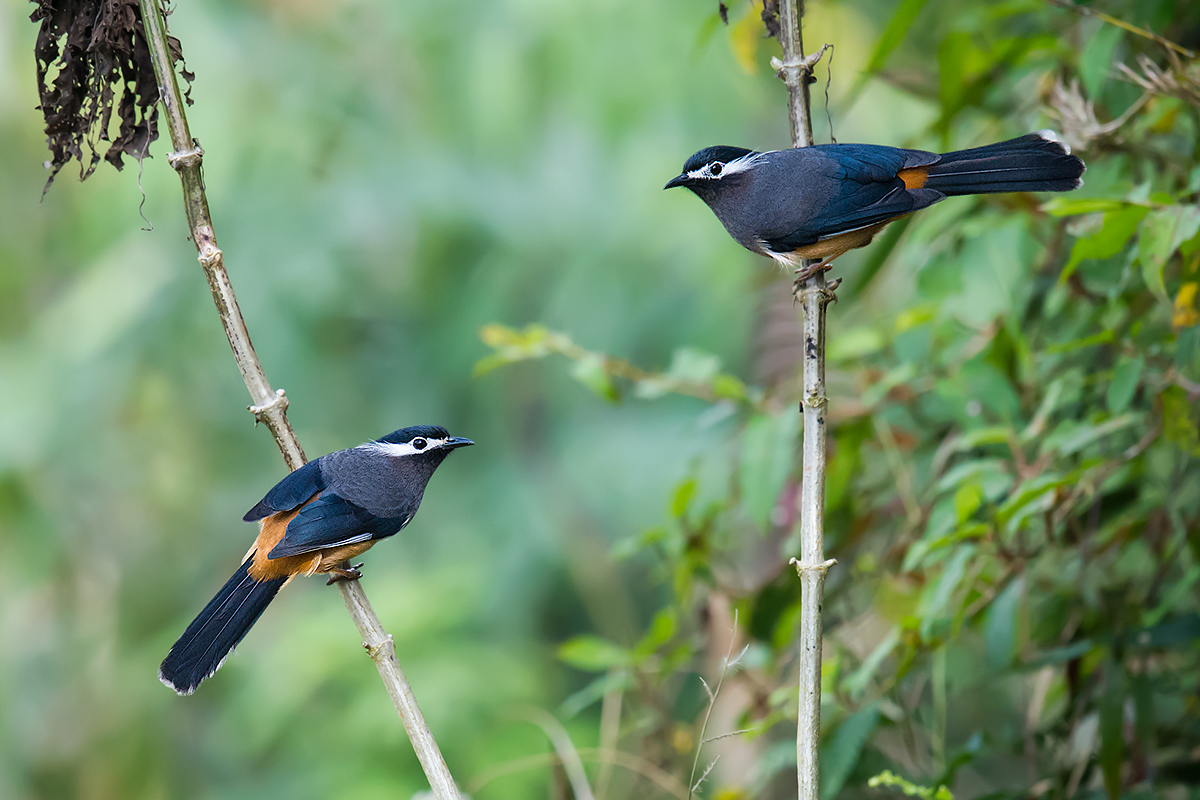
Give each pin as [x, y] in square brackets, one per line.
[715, 168]
[419, 443]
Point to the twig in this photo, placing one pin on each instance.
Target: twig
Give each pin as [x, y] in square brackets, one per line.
[727, 662]
[815, 295]
[270, 406]
[610, 730]
[1146, 34]
[568, 756]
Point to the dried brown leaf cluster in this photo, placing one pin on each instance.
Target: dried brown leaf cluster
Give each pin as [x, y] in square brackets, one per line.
[91, 58]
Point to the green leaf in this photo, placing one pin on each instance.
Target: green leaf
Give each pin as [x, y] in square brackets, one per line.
[898, 26]
[980, 437]
[608, 682]
[1072, 206]
[1032, 490]
[857, 681]
[967, 501]
[1179, 426]
[662, 629]
[1060, 655]
[890, 380]
[999, 630]
[902, 18]
[1103, 337]
[693, 366]
[889, 779]
[1175, 596]
[589, 370]
[593, 653]
[1124, 383]
[990, 474]
[1112, 728]
[684, 493]
[768, 451]
[960, 62]
[938, 595]
[1116, 231]
[1096, 59]
[512, 345]
[728, 387]
[1163, 231]
[854, 344]
[635, 544]
[841, 752]
[1070, 438]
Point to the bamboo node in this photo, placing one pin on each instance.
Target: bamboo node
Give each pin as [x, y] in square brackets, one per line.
[181, 159]
[374, 650]
[802, 567]
[790, 70]
[817, 401]
[280, 402]
[210, 256]
[827, 292]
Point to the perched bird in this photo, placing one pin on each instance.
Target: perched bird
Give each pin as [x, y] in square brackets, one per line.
[819, 202]
[314, 520]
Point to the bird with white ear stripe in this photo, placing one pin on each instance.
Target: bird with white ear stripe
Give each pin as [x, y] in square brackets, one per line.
[313, 521]
[820, 202]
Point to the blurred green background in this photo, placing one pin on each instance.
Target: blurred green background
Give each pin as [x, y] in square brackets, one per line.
[1013, 498]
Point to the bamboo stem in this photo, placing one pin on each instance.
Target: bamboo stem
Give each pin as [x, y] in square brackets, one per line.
[270, 406]
[814, 295]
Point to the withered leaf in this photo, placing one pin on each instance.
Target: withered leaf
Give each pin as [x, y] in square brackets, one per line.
[91, 57]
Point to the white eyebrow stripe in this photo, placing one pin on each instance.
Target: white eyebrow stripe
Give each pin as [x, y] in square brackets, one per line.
[742, 163]
[739, 164]
[404, 449]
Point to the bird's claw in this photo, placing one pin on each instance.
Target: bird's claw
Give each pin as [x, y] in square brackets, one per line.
[804, 273]
[339, 574]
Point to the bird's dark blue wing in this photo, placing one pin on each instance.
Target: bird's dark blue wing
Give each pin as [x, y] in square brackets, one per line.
[854, 186]
[289, 493]
[331, 520]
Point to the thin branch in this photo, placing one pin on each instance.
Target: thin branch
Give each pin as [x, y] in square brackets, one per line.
[568, 756]
[727, 662]
[703, 776]
[610, 730]
[270, 406]
[814, 295]
[1111, 20]
[729, 735]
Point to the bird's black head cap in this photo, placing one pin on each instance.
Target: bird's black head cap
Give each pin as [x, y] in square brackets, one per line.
[405, 435]
[708, 165]
[721, 152]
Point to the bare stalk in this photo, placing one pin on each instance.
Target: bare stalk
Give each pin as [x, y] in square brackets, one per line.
[814, 295]
[270, 406]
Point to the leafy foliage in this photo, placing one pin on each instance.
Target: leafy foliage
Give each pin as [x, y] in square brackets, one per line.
[1012, 485]
[1013, 497]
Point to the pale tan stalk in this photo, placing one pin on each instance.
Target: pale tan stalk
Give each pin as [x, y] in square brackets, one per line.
[269, 406]
[814, 295]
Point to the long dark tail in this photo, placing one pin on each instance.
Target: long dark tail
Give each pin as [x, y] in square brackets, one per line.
[1037, 162]
[213, 634]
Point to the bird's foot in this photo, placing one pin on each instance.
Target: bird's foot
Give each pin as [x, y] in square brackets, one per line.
[804, 273]
[338, 574]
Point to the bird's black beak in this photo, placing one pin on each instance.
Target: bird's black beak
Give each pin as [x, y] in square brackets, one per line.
[455, 442]
[679, 180]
